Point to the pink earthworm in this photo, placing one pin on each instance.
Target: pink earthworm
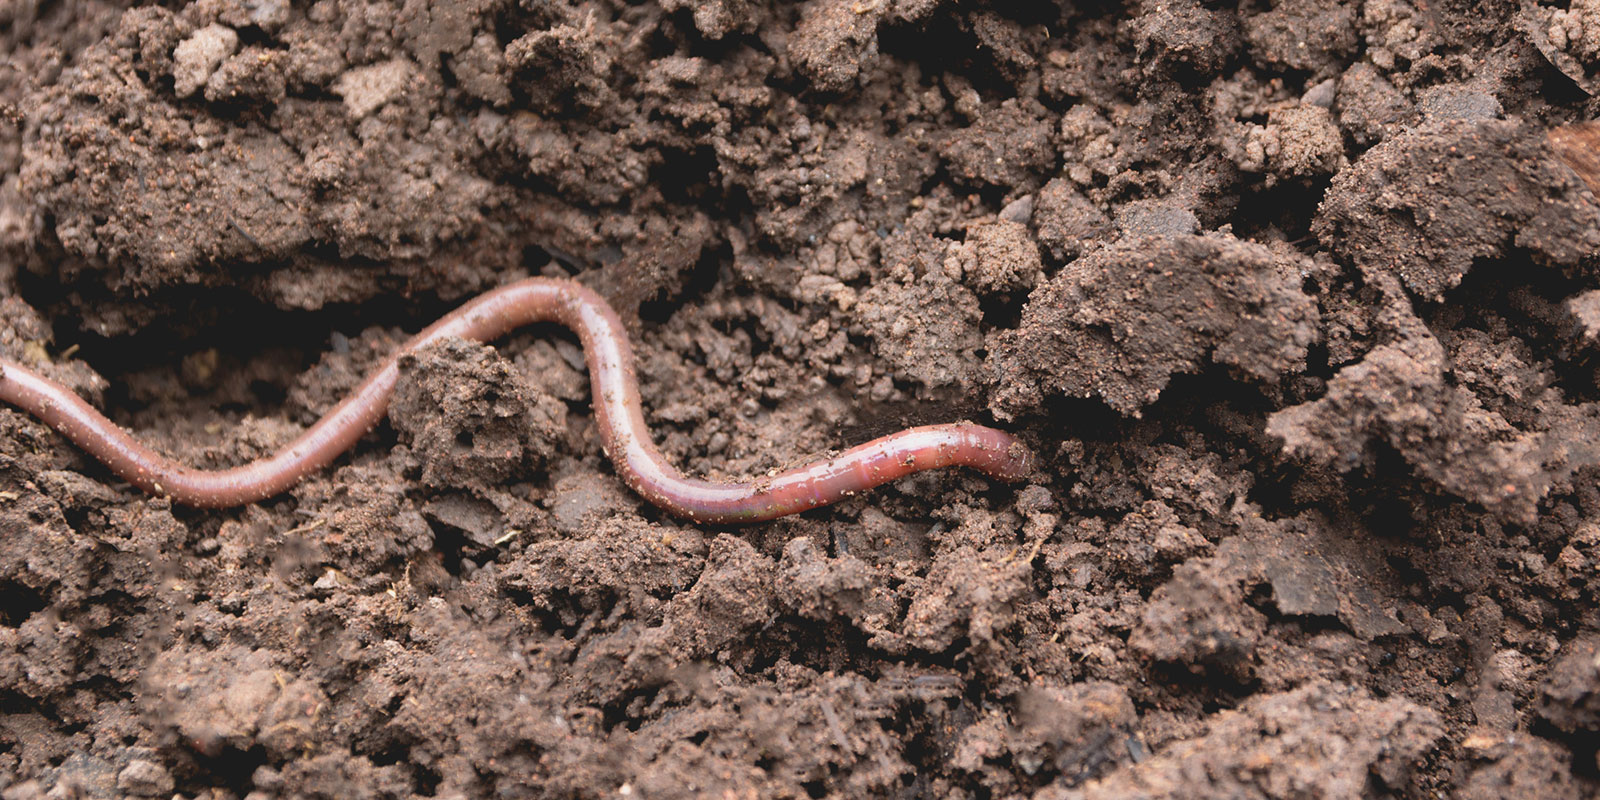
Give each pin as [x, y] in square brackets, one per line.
[620, 420]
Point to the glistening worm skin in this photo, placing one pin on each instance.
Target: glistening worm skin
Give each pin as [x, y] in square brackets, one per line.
[617, 412]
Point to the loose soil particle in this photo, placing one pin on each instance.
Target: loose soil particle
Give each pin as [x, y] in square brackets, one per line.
[1297, 301]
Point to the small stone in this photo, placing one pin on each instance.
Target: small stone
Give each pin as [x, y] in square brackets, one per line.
[366, 89]
[1585, 310]
[145, 779]
[326, 584]
[1157, 218]
[1322, 95]
[1455, 101]
[1018, 210]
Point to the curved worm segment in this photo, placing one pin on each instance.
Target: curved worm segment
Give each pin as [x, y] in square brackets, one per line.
[620, 419]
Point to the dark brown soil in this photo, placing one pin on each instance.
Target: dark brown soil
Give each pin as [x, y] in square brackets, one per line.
[1295, 299]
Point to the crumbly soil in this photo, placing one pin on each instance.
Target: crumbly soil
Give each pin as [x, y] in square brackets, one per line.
[1294, 299]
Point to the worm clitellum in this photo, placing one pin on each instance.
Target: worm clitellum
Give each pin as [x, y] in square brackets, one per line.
[618, 415]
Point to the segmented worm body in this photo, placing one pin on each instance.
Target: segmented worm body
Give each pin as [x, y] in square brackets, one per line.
[617, 411]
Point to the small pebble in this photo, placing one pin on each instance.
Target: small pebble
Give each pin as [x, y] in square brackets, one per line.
[1320, 95]
[145, 779]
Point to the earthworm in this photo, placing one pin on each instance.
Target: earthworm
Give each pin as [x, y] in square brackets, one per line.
[620, 420]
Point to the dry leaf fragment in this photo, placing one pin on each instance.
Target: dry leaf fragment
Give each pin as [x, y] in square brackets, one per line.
[1578, 146]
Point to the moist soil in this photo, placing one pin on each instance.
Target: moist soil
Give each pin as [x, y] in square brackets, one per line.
[1295, 300]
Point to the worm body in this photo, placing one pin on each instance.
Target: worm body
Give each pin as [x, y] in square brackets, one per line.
[617, 411]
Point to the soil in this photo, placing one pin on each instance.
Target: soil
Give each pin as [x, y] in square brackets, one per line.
[1298, 301]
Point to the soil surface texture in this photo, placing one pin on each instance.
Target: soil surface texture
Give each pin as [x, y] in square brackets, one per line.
[1297, 302]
